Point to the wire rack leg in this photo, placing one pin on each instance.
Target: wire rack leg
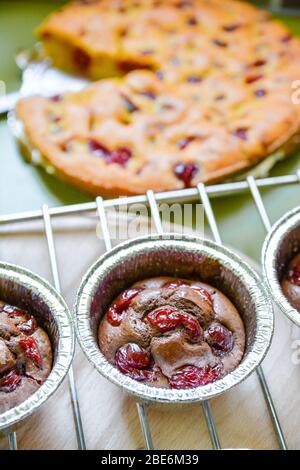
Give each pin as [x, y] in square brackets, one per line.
[103, 223]
[141, 409]
[12, 441]
[255, 193]
[213, 225]
[71, 378]
[259, 203]
[211, 425]
[271, 408]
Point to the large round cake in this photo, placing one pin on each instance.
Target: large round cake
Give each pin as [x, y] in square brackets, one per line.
[194, 91]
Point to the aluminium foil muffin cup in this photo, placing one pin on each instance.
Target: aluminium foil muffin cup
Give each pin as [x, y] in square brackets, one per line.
[180, 256]
[21, 287]
[281, 244]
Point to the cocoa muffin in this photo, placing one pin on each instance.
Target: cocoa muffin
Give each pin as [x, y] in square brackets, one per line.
[25, 356]
[290, 283]
[172, 333]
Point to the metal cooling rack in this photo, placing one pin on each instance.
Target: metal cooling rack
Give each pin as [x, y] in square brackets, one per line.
[200, 193]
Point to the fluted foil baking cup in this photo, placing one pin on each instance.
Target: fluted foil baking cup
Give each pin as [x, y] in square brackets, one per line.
[281, 244]
[23, 288]
[180, 256]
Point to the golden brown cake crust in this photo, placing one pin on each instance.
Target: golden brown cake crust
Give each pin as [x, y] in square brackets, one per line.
[215, 100]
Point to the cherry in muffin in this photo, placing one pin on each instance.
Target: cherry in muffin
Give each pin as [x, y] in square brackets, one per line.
[290, 283]
[25, 356]
[172, 333]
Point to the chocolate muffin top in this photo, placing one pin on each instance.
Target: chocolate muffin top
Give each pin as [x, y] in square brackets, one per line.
[25, 356]
[172, 333]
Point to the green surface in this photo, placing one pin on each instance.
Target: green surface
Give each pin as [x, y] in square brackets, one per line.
[23, 187]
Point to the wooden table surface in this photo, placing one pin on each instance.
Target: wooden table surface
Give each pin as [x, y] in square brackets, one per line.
[109, 417]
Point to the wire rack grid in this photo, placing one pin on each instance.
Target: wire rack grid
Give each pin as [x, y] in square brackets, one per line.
[200, 193]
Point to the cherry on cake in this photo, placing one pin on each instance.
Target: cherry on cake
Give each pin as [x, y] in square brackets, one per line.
[290, 283]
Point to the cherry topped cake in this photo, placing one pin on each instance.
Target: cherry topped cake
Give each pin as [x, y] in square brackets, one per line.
[25, 356]
[172, 333]
[189, 91]
[290, 283]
